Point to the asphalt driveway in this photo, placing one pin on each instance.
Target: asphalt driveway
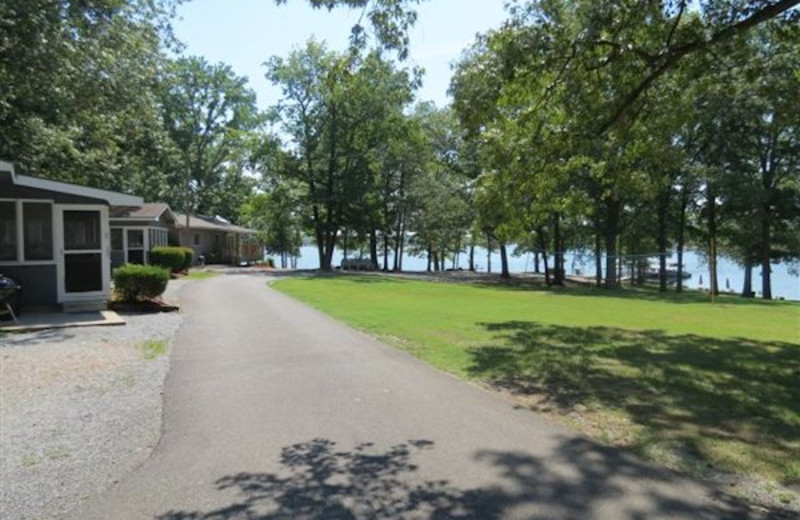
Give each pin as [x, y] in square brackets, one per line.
[274, 411]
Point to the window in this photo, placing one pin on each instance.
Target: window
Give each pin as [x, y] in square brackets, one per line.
[116, 240]
[135, 239]
[197, 239]
[8, 231]
[136, 246]
[158, 237]
[38, 225]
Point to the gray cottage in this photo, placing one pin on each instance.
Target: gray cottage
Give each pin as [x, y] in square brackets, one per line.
[55, 238]
[136, 230]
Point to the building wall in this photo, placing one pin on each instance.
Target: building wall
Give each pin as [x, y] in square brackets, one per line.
[39, 282]
[215, 246]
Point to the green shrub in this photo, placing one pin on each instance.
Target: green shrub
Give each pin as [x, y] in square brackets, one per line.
[172, 258]
[270, 263]
[134, 283]
[188, 258]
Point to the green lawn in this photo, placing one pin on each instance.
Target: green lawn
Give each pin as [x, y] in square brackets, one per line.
[695, 385]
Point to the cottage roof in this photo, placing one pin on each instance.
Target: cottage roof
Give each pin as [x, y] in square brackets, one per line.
[209, 223]
[148, 211]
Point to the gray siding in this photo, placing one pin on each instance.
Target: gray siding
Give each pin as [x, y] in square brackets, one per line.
[39, 284]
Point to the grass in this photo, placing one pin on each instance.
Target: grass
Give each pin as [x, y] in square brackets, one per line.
[153, 348]
[694, 385]
[200, 275]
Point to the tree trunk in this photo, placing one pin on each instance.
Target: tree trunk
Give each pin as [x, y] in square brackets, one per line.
[681, 238]
[402, 243]
[543, 247]
[558, 253]
[611, 232]
[488, 253]
[663, 205]
[329, 245]
[320, 247]
[504, 262]
[747, 289]
[472, 257]
[766, 245]
[430, 259]
[598, 260]
[398, 240]
[373, 247]
[385, 251]
[713, 286]
[536, 262]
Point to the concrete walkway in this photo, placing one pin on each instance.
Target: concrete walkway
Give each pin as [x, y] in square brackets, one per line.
[275, 411]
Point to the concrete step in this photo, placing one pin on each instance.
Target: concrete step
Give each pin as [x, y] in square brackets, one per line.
[88, 306]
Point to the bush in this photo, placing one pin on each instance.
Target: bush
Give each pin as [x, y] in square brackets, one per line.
[188, 257]
[134, 283]
[172, 258]
[270, 262]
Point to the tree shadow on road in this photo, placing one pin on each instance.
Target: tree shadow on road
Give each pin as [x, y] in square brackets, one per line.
[581, 480]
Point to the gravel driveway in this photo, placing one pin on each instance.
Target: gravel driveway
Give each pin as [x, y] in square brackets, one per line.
[79, 408]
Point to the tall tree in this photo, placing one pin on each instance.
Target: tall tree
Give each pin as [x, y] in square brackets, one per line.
[211, 116]
[78, 99]
[335, 109]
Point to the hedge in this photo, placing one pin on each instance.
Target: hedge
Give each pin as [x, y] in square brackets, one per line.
[133, 282]
[188, 257]
[173, 258]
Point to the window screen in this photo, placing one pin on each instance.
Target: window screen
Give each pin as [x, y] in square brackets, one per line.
[37, 220]
[8, 231]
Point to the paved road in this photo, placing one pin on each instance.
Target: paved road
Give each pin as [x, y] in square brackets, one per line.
[274, 411]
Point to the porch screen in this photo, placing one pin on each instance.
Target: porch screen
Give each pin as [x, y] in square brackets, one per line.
[81, 230]
[38, 223]
[8, 231]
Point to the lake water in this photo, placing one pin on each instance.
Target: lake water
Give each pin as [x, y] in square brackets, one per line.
[730, 275]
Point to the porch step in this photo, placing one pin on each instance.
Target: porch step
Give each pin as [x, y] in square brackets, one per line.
[73, 307]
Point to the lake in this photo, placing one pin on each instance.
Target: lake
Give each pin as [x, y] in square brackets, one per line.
[731, 276]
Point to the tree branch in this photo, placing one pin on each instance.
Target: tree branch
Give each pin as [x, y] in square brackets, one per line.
[674, 55]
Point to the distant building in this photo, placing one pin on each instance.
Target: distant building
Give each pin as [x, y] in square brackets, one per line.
[217, 240]
[136, 230]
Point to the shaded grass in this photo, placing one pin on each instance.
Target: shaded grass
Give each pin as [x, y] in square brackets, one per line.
[702, 387]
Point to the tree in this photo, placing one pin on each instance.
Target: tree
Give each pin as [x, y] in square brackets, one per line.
[390, 20]
[760, 184]
[276, 215]
[335, 110]
[210, 115]
[78, 101]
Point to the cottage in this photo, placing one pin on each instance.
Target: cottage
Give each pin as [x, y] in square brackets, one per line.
[136, 230]
[55, 238]
[217, 240]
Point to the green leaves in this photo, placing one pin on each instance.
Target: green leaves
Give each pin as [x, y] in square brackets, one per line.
[211, 117]
[389, 20]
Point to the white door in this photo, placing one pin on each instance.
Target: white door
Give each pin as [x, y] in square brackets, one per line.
[84, 261]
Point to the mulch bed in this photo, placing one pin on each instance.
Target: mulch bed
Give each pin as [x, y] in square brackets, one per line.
[145, 307]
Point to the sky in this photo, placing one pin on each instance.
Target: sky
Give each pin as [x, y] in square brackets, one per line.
[245, 33]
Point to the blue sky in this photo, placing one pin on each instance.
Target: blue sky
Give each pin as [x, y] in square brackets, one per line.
[245, 33]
